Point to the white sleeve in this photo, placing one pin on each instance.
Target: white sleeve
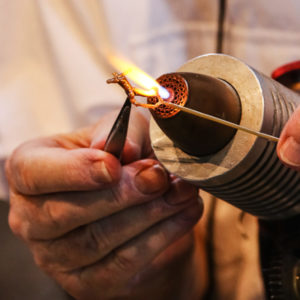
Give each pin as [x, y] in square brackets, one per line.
[52, 78]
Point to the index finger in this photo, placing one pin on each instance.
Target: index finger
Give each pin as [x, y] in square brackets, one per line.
[36, 168]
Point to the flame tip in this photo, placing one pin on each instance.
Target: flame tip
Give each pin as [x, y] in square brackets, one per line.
[148, 86]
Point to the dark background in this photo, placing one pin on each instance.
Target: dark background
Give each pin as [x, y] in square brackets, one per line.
[20, 279]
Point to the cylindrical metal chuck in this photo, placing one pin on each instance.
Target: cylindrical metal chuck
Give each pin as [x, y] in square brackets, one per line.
[242, 169]
[202, 93]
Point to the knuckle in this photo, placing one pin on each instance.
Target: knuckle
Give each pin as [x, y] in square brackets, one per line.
[14, 223]
[125, 194]
[122, 262]
[119, 196]
[53, 254]
[43, 262]
[40, 259]
[20, 227]
[98, 238]
[159, 207]
[56, 215]
[17, 173]
[21, 217]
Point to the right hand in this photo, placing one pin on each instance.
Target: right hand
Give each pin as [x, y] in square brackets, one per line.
[99, 228]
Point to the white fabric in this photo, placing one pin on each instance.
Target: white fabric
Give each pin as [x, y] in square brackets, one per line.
[52, 68]
[52, 74]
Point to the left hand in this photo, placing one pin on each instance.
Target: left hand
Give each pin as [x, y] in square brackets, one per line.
[104, 230]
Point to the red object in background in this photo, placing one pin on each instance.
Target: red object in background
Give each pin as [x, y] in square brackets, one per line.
[289, 75]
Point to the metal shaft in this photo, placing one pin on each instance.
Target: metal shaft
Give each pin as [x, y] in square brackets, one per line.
[223, 122]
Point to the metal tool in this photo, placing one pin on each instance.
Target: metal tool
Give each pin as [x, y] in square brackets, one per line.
[116, 139]
[244, 170]
[224, 122]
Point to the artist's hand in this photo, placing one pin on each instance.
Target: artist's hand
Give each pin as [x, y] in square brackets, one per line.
[102, 229]
[288, 147]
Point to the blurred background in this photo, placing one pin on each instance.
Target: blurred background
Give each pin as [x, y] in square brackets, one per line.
[20, 279]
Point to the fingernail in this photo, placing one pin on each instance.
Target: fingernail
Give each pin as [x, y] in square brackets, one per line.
[180, 192]
[152, 179]
[290, 152]
[100, 173]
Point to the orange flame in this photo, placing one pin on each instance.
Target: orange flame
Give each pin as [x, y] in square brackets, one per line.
[149, 86]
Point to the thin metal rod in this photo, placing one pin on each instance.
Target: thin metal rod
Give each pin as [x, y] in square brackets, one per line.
[221, 121]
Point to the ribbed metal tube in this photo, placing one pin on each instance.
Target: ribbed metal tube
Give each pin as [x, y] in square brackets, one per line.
[247, 172]
[264, 186]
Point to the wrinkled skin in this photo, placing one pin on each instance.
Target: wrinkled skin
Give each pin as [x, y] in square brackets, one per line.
[104, 229]
[110, 230]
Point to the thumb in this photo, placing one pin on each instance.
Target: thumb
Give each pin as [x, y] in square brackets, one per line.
[288, 148]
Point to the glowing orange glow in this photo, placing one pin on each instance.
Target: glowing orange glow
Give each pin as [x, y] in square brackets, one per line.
[146, 93]
[149, 86]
